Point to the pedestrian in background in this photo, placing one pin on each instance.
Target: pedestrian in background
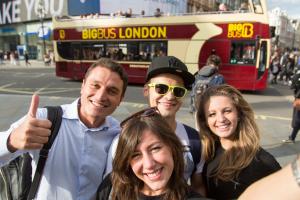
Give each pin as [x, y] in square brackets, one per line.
[157, 12]
[1, 57]
[12, 58]
[223, 7]
[77, 159]
[290, 67]
[230, 136]
[275, 67]
[296, 112]
[207, 76]
[47, 59]
[148, 163]
[26, 57]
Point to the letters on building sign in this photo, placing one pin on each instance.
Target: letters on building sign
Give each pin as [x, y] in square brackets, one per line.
[125, 33]
[240, 30]
[12, 11]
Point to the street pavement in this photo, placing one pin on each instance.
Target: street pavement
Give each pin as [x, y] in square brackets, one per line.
[15, 106]
[21, 64]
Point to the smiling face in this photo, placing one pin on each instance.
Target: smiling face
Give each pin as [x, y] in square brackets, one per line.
[167, 104]
[152, 162]
[101, 94]
[222, 117]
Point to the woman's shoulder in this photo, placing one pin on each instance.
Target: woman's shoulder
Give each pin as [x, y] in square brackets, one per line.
[267, 159]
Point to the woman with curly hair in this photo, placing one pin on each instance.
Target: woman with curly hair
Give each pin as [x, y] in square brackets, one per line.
[230, 136]
[148, 163]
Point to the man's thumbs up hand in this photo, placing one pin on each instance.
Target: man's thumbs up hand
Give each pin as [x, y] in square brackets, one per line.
[33, 106]
[33, 133]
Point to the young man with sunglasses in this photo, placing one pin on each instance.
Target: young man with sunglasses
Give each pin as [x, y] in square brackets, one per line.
[166, 85]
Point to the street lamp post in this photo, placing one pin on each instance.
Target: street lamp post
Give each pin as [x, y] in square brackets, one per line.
[41, 14]
[294, 23]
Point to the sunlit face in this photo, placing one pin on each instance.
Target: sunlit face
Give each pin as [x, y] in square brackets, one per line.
[101, 94]
[153, 163]
[222, 117]
[167, 104]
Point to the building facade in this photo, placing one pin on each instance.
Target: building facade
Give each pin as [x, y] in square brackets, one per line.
[21, 25]
[287, 31]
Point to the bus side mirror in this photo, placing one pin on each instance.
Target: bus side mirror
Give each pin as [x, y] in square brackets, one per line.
[272, 31]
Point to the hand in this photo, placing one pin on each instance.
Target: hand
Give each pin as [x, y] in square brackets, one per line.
[33, 133]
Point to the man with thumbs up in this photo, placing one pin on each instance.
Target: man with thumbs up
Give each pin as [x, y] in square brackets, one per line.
[77, 159]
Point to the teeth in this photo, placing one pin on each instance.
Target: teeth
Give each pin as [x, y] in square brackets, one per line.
[224, 126]
[97, 104]
[153, 174]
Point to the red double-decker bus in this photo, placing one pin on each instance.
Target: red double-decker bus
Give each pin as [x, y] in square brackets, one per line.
[240, 37]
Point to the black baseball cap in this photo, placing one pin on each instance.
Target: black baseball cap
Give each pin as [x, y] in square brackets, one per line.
[170, 65]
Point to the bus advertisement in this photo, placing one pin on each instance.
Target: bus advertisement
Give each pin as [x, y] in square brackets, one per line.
[240, 37]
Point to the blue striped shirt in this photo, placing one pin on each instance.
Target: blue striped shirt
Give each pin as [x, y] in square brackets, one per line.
[77, 159]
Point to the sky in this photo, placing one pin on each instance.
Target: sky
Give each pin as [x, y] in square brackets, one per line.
[292, 7]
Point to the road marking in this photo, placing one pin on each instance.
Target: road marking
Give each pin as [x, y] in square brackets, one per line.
[265, 117]
[289, 98]
[31, 75]
[7, 85]
[39, 91]
[14, 91]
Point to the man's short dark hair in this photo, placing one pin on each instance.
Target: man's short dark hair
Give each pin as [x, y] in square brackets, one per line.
[113, 66]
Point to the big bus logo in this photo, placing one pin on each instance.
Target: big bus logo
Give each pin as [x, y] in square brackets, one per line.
[240, 30]
[62, 34]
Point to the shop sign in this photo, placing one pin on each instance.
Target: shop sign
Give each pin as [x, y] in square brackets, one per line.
[43, 32]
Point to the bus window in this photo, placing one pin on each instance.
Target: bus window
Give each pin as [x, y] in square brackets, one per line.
[150, 50]
[69, 50]
[135, 51]
[76, 48]
[262, 59]
[92, 51]
[116, 51]
[242, 52]
[257, 7]
[145, 51]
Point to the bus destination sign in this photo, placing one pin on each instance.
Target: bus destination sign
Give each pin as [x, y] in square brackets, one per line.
[127, 33]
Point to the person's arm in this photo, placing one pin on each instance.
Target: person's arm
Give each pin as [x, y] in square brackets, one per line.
[283, 184]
